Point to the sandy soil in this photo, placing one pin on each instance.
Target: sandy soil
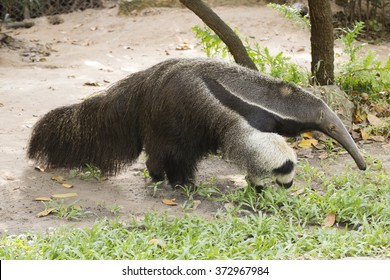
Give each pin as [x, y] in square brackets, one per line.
[98, 46]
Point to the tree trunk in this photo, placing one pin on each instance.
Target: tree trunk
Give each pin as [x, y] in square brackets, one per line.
[224, 32]
[352, 10]
[367, 16]
[322, 40]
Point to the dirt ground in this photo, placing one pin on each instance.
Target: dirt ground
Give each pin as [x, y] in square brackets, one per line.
[99, 47]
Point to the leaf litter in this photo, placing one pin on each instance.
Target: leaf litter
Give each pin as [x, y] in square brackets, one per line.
[42, 198]
[330, 219]
[64, 195]
[46, 212]
[170, 202]
[58, 179]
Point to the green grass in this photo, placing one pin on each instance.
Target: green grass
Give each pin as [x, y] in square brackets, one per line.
[273, 224]
[71, 211]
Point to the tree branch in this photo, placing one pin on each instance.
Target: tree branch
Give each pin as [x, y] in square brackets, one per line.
[224, 32]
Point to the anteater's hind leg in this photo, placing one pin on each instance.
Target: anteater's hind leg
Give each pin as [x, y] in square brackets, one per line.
[155, 168]
[171, 154]
[180, 170]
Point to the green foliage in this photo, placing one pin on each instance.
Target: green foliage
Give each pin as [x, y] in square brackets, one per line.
[89, 171]
[145, 174]
[211, 43]
[362, 73]
[278, 66]
[291, 13]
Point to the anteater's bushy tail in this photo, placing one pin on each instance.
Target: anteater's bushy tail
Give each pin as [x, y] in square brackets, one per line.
[102, 131]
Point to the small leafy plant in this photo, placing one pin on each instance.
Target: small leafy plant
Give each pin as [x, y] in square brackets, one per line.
[278, 66]
[362, 73]
[291, 13]
[89, 171]
[155, 187]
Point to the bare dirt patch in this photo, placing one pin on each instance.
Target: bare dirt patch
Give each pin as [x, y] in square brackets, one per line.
[97, 47]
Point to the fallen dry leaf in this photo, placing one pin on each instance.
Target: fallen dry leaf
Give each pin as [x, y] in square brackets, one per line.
[183, 46]
[64, 195]
[58, 179]
[42, 198]
[68, 186]
[374, 120]
[364, 134]
[360, 116]
[330, 219]
[46, 212]
[307, 135]
[378, 138]
[169, 202]
[307, 143]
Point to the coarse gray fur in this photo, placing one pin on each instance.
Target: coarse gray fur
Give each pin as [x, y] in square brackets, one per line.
[179, 111]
